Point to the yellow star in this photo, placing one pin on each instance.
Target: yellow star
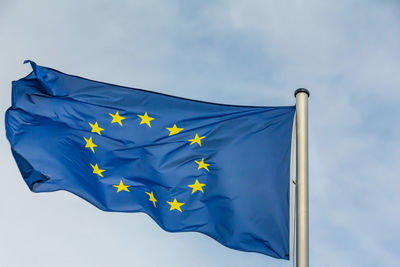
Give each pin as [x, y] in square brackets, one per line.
[174, 130]
[196, 139]
[96, 128]
[117, 118]
[152, 198]
[202, 164]
[96, 170]
[146, 119]
[89, 143]
[175, 205]
[122, 187]
[197, 186]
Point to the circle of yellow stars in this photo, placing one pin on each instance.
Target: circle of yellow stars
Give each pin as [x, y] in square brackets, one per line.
[146, 120]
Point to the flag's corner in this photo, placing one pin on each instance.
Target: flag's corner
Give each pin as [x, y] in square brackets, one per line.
[33, 64]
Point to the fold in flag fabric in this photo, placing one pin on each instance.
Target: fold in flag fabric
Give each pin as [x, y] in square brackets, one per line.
[221, 170]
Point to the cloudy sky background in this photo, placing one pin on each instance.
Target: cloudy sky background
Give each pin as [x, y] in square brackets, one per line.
[238, 52]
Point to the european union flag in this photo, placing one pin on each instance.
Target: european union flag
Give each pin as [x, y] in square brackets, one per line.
[221, 170]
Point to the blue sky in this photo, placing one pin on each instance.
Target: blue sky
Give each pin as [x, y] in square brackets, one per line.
[238, 52]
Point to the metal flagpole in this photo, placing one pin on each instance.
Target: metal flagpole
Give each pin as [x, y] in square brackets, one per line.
[302, 95]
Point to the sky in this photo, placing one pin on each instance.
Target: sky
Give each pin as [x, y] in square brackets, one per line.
[346, 52]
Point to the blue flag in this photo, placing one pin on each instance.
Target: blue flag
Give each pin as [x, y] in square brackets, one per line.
[221, 170]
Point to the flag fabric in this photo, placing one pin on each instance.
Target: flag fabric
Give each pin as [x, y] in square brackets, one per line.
[221, 170]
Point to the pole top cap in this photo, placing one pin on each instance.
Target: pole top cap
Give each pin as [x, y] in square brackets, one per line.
[302, 90]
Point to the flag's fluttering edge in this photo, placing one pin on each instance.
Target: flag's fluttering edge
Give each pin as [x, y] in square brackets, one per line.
[221, 170]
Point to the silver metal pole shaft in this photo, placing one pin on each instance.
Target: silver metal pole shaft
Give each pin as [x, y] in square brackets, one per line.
[302, 95]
